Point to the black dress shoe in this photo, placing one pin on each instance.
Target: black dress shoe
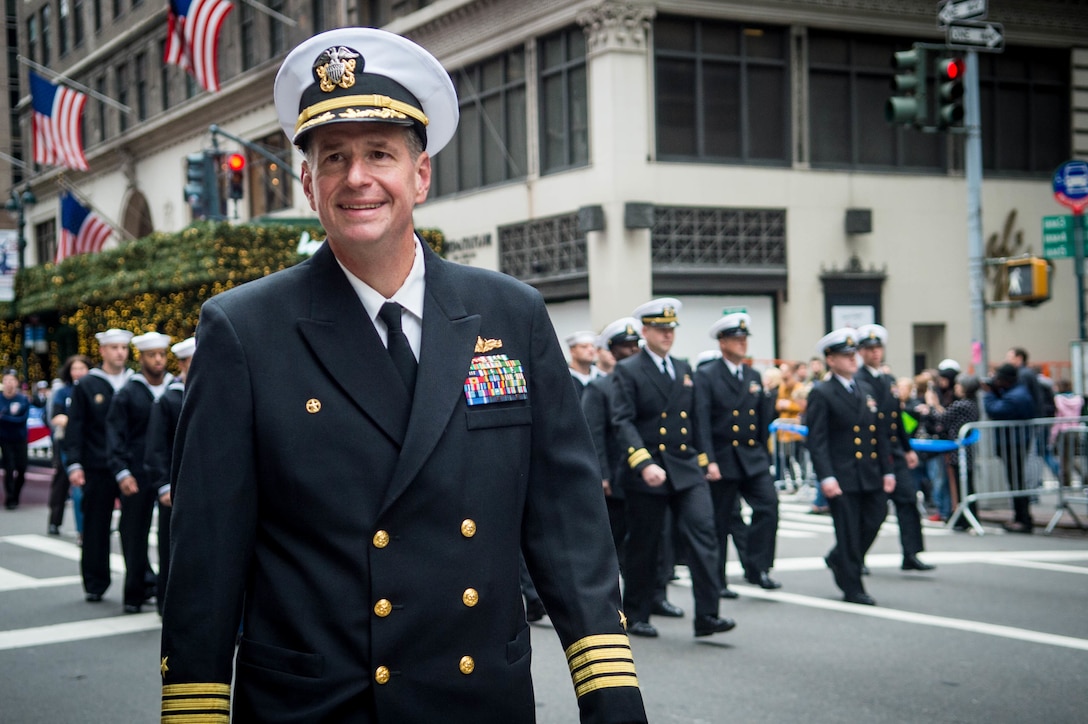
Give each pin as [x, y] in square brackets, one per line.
[54, 529]
[534, 610]
[707, 625]
[93, 597]
[642, 628]
[865, 570]
[132, 608]
[911, 563]
[1017, 528]
[728, 593]
[862, 598]
[664, 608]
[764, 581]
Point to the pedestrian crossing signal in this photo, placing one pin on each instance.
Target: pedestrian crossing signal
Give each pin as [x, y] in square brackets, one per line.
[1029, 280]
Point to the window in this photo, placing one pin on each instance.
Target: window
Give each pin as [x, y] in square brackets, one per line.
[47, 42]
[722, 91]
[164, 77]
[45, 240]
[100, 88]
[62, 27]
[248, 35]
[96, 10]
[77, 23]
[270, 183]
[317, 13]
[543, 249]
[1031, 87]
[117, 9]
[121, 74]
[564, 114]
[491, 145]
[141, 86]
[32, 37]
[276, 28]
[849, 82]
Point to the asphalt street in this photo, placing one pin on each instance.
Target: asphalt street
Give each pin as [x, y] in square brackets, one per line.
[998, 633]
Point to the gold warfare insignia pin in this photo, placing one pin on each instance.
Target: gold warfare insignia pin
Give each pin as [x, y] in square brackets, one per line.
[336, 68]
[313, 405]
[487, 345]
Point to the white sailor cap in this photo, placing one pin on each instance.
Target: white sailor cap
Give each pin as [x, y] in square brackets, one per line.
[185, 348]
[872, 335]
[707, 355]
[735, 324]
[365, 74]
[948, 364]
[580, 338]
[151, 340]
[624, 329]
[114, 336]
[659, 312]
[842, 341]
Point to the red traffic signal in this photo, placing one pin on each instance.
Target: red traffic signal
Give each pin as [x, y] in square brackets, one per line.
[951, 69]
[236, 162]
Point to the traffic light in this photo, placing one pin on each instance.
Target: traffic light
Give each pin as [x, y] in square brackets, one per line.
[236, 164]
[1029, 280]
[950, 73]
[908, 106]
[197, 181]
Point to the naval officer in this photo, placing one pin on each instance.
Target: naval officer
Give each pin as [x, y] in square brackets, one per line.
[367, 442]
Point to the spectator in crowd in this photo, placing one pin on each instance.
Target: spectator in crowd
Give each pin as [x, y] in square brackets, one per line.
[789, 405]
[73, 370]
[14, 410]
[947, 423]
[947, 369]
[1067, 405]
[1008, 397]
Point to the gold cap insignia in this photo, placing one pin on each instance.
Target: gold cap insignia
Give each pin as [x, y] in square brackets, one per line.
[336, 68]
[850, 341]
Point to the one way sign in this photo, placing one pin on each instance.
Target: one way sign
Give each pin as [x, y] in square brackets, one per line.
[969, 35]
[949, 11]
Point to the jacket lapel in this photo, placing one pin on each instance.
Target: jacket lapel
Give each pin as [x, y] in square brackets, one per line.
[660, 380]
[345, 343]
[449, 343]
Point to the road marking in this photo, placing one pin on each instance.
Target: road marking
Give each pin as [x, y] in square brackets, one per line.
[59, 548]
[891, 614]
[1040, 566]
[78, 630]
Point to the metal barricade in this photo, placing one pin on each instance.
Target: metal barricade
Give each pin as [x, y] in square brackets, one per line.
[792, 468]
[1001, 460]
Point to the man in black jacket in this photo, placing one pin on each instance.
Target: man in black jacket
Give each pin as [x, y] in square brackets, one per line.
[851, 456]
[654, 415]
[126, 437]
[87, 456]
[871, 341]
[732, 417]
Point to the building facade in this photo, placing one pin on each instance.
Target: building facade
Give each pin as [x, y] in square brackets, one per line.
[731, 154]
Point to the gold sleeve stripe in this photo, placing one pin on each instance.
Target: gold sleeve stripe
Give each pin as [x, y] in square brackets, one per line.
[603, 654]
[195, 719]
[637, 457]
[611, 667]
[195, 704]
[597, 641]
[605, 682]
[704, 460]
[196, 690]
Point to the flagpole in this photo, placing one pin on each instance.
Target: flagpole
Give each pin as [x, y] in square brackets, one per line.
[270, 12]
[78, 86]
[67, 186]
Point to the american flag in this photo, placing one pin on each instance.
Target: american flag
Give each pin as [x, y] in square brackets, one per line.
[57, 123]
[81, 230]
[192, 38]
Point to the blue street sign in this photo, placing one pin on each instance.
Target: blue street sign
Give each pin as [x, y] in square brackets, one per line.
[1071, 185]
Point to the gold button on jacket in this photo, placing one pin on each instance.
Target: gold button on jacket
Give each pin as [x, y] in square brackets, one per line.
[467, 665]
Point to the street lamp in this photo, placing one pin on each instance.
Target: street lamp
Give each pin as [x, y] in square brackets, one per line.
[17, 204]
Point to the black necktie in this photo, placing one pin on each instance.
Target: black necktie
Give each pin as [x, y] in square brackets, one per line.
[740, 373]
[398, 346]
[664, 368]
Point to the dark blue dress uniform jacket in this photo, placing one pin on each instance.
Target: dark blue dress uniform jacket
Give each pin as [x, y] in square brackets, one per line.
[368, 543]
[845, 438]
[734, 418]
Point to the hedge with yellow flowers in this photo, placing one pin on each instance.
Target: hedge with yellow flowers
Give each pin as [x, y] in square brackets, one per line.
[153, 284]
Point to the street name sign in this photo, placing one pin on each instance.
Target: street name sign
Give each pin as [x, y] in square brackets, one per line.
[949, 11]
[971, 35]
[1058, 235]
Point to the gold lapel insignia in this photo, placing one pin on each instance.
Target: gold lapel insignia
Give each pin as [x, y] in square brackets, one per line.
[487, 345]
[338, 68]
[313, 405]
